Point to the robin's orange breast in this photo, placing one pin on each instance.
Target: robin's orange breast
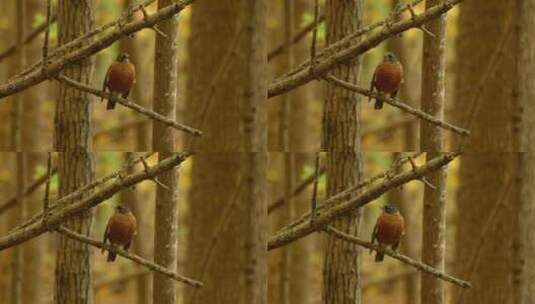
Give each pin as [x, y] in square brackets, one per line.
[389, 228]
[121, 77]
[388, 76]
[121, 228]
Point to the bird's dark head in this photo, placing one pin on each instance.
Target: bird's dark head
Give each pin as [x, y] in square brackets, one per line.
[390, 209]
[390, 57]
[123, 57]
[122, 209]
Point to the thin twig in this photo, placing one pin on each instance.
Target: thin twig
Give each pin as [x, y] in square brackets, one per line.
[399, 105]
[47, 34]
[134, 106]
[313, 203]
[296, 38]
[314, 35]
[405, 259]
[135, 258]
[47, 186]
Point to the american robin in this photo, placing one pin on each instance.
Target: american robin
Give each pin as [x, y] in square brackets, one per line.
[120, 230]
[386, 79]
[119, 79]
[389, 228]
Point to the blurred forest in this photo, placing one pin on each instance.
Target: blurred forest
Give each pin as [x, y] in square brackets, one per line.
[248, 127]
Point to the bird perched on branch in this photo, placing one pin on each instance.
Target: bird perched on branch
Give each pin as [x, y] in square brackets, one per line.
[120, 78]
[386, 79]
[389, 228]
[120, 230]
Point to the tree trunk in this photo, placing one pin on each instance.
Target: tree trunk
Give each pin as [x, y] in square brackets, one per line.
[434, 212]
[166, 210]
[341, 140]
[493, 132]
[524, 269]
[72, 138]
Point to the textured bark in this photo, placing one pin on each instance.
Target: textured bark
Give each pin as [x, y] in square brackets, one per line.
[166, 209]
[481, 24]
[525, 250]
[72, 137]
[434, 212]
[143, 239]
[341, 140]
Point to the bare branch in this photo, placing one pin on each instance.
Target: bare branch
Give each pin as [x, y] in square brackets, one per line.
[294, 232]
[47, 34]
[405, 259]
[131, 105]
[132, 257]
[21, 82]
[299, 77]
[56, 217]
[399, 105]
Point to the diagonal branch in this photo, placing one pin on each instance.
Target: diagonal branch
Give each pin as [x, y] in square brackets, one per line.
[29, 190]
[405, 259]
[29, 38]
[131, 105]
[56, 217]
[293, 232]
[399, 105]
[135, 258]
[21, 82]
[294, 79]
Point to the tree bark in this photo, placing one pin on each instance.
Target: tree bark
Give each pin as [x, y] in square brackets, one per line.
[72, 138]
[341, 140]
[434, 211]
[166, 210]
[493, 136]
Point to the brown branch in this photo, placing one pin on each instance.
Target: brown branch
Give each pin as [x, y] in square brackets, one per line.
[29, 38]
[134, 106]
[297, 37]
[132, 257]
[21, 82]
[404, 259]
[56, 217]
[85, 37]
[12, 202]
[298, 190]
[302, 228]
[79, 192]
[299, 76]
[399, 105]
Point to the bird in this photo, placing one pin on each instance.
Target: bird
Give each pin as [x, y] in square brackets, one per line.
[120, 78]
[120, 230]
[388, 230]
[386, 79]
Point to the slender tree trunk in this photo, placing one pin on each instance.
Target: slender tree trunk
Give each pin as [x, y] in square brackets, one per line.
[166, 210]
[487, 166]
[341, 140]
[525, 249]
[72, 138]
[432, 142]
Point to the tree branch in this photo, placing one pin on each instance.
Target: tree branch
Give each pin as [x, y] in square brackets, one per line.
[302, 228]
[131, 105]
[132, 257]
[21, 82]
[297, 77]
[56, 217]
[399, 105]
[405, 259]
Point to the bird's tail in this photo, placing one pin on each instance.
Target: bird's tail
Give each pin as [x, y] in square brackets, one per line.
[378, 104]
[111, 104]
[379, 257]
[111, 256]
